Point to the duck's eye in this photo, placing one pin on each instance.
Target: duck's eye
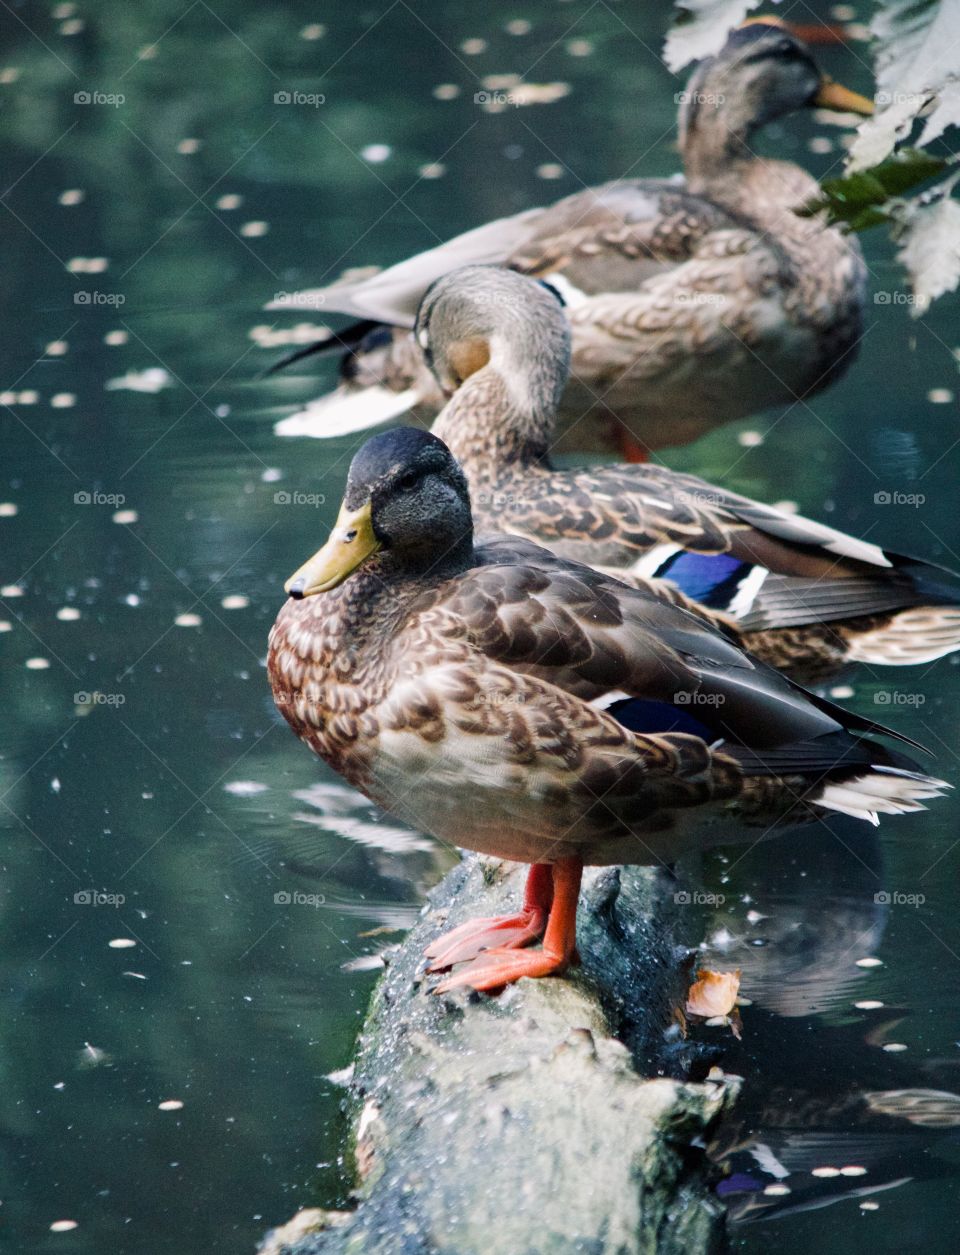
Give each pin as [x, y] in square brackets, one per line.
[408, 480]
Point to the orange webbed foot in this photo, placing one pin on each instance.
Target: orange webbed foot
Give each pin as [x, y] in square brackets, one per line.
[501, 932]
[495, 968]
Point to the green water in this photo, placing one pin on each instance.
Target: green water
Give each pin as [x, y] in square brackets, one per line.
[176, 787]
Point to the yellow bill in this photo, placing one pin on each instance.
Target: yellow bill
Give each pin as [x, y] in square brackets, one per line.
[351, 542]
[841, 99]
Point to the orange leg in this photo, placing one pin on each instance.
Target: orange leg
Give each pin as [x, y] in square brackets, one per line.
[504, 932]
[631, 450]
[502, 965]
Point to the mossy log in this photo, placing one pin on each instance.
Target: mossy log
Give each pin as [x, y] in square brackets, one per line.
[525, 1123]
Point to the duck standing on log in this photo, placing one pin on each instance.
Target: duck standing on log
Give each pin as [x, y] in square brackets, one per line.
[692, 303]
[513, 702]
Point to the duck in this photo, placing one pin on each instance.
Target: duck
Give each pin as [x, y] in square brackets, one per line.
[804, 597]
[518, 704]
[692, 303]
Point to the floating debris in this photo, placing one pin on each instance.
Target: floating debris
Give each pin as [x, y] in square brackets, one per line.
[187, 147]
[895, 1047]
[432, 170]
[63, 400]
[188, 620]
[870, 962]
[825, 1172]
[750, 439]
[8, 509]
[125, 517]
[37, 664]
[820, 144]
[579, 47]
[235, 601]
[56, 348]
[940, 396]
[341, 1077]
[713, 993]
[170, 1104]
[12, 590]
[363, 963]
[549, 170]
[853, 1170]
[121, 943]
[72, 196]
[63, 1226]
[115, 338]
[842, 692]
[134, 975]
[376, 154]
[92, 1056]
[446, 91]
[868, 1004]
[87, 265]
[519, 26]
[245, 788]
[271, 475]
[153, 379]
[869, 1205]
[5, 626]
[228, 201]
[254, 230]
[315, 30]
[776, 1190]
[131, 599]
[473, 47]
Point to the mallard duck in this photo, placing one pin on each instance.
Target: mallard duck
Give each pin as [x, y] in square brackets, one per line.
[510, 701]
[691, 303]
[804, 597]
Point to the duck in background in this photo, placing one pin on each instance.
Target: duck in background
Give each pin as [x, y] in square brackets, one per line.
[513, 702]
[804, 597]
[692, 303]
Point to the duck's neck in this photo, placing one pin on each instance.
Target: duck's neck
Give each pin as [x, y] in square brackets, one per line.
[491, 426]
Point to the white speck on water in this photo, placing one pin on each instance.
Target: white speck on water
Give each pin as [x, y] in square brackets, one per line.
[776, 1190]
[8, 509]
[579, 47]
[868, 1004]
[121, 943]
[446, 91]
[63, 400]
[87, 265]
[895, 1047]
[432, 170]
[245, 788]
[820, 144]
[12, 590]
[271, 475]
[825, 1172]
[254, 230]
[5, 626]
[341, 1077]
[63, 1226]
[750, 439]
[115, 338]
[869, 1205]
[940, 396]
[37, 664]
[473, 47]
[376, 153]
[222, 411]
[519, 26]
[842, 692]
[363, 963]
[236, 601]
[134, 975]
[68, 614]
[170, 1104]
[229, 201]
[870, 962]
[549, 170]
[9, 74]
[29, 396]
[316, 30]
[153, 379]
[73, 27]
[132, 599]
[56, 348]
[187, 147]
[55, 785]
[72, 196]
[60, 1085]
[754, 917]
[853, 1170]
[125, 516]
[188, 620]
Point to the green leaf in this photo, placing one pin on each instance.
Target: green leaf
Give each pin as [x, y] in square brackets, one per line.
[857, 199]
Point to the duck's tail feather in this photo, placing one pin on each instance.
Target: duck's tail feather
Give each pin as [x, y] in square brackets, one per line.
[347, 410]
[344, 341]
[879, 791]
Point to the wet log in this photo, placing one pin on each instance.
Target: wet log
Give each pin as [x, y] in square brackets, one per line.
[533, 1121]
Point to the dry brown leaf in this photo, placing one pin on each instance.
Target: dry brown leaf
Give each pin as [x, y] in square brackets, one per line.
[713, 993]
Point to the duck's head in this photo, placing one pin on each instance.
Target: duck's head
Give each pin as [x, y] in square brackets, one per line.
[763, 72]
[480, 316]
[406, 502]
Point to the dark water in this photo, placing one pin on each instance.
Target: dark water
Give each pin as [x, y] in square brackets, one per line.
[142, 759]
